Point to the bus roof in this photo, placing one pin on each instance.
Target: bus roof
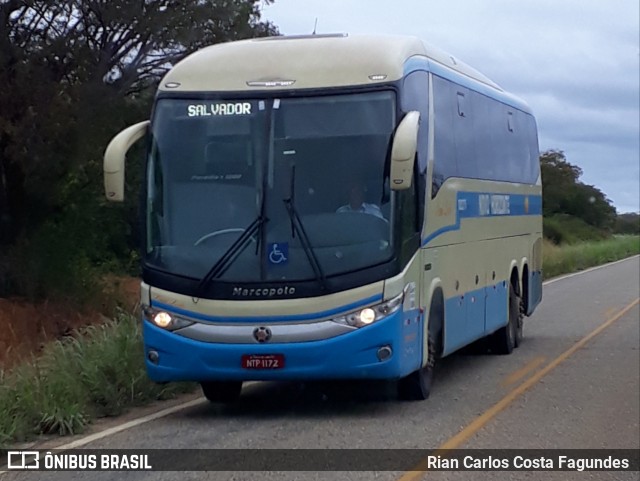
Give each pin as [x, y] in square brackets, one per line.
[306, 61]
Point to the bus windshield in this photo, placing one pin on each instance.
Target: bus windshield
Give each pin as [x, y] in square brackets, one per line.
[313, 170]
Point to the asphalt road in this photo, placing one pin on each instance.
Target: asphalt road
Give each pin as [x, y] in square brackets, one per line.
[586, 398]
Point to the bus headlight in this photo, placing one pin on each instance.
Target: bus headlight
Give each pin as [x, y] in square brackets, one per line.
[367, 315]
[163, 319]
[371, 314]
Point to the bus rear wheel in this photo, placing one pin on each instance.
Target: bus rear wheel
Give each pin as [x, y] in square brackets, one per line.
[221, 391]
[520, 323]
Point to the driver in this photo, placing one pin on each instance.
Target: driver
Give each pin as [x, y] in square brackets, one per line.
[357, 203]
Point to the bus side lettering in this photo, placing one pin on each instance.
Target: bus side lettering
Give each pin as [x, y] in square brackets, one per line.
[500, 205]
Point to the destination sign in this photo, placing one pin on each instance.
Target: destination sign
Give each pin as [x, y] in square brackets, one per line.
[226, 108]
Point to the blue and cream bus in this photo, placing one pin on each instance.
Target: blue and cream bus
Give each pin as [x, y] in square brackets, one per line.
[332, 207]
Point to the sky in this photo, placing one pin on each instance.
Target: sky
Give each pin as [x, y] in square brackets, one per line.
[575, 62]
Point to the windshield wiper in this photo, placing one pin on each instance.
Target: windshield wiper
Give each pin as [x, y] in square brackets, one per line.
[297, 226]
[225, 261]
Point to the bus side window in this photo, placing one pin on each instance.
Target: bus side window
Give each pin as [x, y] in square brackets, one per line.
[534, 154]
[461, 104]
[445, 164]
[487, 127]
[464, 134]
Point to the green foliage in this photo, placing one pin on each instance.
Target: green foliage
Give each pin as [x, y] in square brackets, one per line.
[102, 352]
[576, 257]
[567, 229]
[564, 194]
[99, 372]
[95, 76]
[65, 256]
[628, 224]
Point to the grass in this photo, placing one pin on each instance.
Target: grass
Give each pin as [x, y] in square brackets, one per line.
[567, 229]
[562, 259]
[99, 372]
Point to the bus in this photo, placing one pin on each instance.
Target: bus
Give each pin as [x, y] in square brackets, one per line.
[331, 207]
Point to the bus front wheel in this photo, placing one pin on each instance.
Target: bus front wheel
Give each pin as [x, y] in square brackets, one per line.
[221, 391]
[417, 385]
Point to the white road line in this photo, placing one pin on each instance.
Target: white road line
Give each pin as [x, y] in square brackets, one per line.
[138, 421]
[167, 412]
[130, 424]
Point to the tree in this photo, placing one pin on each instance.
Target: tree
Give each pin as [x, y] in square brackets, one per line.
[73, 71]
[558, 178]
[628, 223]
[564, 193]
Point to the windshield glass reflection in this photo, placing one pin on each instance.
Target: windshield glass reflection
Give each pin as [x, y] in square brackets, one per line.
[217, 166]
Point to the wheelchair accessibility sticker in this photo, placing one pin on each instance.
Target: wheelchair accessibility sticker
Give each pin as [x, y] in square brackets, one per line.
[278, 253]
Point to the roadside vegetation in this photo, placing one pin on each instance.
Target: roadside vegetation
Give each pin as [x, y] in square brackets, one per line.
[581, 227]
[563, 259]
[97, 372]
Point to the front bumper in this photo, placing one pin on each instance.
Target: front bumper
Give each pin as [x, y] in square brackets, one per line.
[348, 356]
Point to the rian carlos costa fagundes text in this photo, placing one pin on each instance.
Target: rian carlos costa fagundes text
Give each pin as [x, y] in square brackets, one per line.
[522, 462]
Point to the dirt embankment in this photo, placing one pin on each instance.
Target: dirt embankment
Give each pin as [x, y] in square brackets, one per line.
[25, 327]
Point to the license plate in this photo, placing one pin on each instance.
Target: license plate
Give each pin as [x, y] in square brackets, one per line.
[263, 361]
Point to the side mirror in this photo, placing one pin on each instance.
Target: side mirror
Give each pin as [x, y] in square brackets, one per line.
[114, 158]
[403, 151]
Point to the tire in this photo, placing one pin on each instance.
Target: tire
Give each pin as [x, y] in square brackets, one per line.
[503, 341]
[520, 322]
[221, 391]
[417, 385]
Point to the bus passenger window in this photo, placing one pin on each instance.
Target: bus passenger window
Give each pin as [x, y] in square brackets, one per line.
[461, 106]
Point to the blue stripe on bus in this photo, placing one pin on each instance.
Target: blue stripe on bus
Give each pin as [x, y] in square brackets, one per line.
[296, 317]
[468, 207]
